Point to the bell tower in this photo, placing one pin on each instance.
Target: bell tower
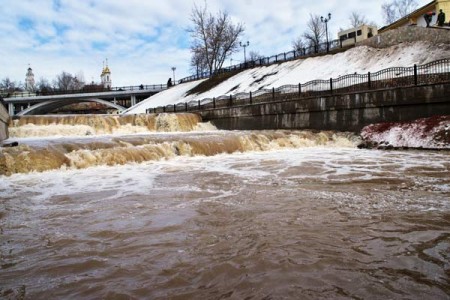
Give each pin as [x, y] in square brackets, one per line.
[106, 76]
[29, 80]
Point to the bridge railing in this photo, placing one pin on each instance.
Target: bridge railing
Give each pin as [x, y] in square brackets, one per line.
[430, 73]
[85, 90]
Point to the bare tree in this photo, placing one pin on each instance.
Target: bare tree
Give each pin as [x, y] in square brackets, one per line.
[396, 9]
[214, 37]
[299, 44]
[254, 56]
[198, 62]
[315, 32]
[64, 82]
[79, 81]
[7, 85]
[43, 86]
[357, 19]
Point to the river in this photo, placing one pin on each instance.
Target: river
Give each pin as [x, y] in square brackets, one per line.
[221, 215]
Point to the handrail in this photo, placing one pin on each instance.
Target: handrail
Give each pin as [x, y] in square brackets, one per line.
[281, 57]
[433, 72]
[85, 90]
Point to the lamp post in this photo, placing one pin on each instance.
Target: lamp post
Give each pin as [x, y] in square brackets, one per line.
[173, 70]
[245, 46]
[325, 20]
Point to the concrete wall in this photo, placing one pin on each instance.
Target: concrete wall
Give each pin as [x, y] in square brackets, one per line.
[408, 34]
[349, 112]
[4, 120]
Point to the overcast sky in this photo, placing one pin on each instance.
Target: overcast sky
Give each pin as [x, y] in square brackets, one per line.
[142, 40]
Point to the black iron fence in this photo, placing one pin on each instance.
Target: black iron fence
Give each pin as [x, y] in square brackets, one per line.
[86, 89]
[281, 57]
[430, 73]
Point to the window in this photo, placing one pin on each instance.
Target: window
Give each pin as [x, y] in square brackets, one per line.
[351, 34]
[343, 37]
[359, 32]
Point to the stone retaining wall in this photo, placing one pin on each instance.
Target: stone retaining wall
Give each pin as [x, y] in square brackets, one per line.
[4, 120]
[408, 34]
[342, 112]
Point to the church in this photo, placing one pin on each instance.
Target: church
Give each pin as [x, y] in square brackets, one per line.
[106, 76]
[29, 80]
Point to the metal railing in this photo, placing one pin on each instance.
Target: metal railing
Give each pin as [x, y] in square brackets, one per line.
[430, 73]
[281, 57]
[85, 90]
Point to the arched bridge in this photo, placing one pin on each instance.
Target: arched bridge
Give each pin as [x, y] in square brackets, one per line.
[119, 98]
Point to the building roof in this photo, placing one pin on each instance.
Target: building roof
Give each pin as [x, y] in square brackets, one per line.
[404, 20]
[106, 70]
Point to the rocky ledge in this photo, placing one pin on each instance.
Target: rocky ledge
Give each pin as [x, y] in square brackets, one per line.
[427, 133]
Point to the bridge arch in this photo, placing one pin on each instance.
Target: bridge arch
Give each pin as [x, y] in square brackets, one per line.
[50, 105]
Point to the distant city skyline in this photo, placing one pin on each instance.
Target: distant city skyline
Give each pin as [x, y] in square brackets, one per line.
[144, 40]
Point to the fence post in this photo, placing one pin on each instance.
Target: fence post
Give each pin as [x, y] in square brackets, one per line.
[214, 102]
[331, 85]
[174, 108]
[251, 101]
[368, 81]
[285, 56]
[231, 100]
[273, 93]
[299, 88]
[198, 104]
[415, 74]
[185, 106]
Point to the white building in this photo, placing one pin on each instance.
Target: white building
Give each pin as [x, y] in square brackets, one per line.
[29, 80]
[106, 76]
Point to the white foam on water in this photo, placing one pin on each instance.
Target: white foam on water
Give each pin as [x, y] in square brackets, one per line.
[343, 169]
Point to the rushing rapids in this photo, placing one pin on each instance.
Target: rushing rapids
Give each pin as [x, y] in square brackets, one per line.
[80, 125]
[81, 152]
[128, 213]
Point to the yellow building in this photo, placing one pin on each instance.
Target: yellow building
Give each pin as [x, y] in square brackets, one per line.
[352, 36]
[417, 16]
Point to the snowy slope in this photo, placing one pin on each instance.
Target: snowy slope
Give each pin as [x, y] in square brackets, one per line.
[169, 96]
[361, 60]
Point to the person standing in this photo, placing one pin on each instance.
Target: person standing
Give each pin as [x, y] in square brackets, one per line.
[441, 18]
[428, 17]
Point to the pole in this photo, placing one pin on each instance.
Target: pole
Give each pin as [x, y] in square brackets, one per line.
[245, 46]
[173, 70]
[325, 20]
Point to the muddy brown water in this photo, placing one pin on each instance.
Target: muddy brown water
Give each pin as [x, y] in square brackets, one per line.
[318, 220]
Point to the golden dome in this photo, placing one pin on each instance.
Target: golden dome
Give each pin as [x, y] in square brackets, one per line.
[105, 68]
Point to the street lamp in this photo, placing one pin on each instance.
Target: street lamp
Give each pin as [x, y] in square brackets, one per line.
[245, 46]
[173, 70]
[325, 20]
